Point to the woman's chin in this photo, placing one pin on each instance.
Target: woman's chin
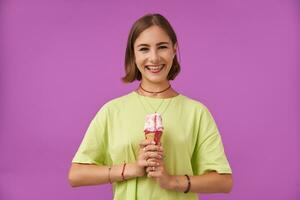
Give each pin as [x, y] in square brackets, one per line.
[156, 79]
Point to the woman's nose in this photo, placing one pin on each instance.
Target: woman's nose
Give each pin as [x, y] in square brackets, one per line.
[154, 57]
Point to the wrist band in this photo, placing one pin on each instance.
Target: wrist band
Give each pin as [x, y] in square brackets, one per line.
[189, 184]
[109, 169]
[122, 174]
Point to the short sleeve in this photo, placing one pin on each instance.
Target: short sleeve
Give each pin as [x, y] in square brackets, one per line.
[209, 152]
[93, 148]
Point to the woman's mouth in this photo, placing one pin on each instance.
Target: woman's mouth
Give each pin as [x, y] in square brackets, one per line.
[155, 68]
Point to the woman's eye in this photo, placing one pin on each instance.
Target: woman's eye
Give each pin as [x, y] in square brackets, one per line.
[143, 49]
[163, 47]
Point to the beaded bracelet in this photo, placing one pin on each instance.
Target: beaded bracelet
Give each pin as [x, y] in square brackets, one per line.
[189, 184]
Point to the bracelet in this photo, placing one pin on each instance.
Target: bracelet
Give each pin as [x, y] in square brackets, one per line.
[122, 174]
[189, 184]
[109, 169]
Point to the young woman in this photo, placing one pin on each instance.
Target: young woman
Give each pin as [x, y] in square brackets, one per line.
[189, 158]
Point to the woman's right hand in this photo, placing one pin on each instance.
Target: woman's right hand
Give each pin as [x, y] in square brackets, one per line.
[147, 149]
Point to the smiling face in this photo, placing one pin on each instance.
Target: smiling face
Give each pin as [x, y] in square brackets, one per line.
[154, 54]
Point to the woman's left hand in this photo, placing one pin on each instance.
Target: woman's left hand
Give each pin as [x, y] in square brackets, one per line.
[156, 169]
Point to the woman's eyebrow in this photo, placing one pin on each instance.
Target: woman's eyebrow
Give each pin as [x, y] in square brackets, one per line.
[158, 44]
[161, 43]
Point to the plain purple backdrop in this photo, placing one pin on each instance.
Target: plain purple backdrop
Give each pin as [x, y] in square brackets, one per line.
[62, 60]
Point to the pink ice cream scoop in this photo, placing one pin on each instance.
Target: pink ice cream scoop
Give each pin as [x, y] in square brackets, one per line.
[153, 127]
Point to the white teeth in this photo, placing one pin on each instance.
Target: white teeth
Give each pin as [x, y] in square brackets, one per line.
[155, 67]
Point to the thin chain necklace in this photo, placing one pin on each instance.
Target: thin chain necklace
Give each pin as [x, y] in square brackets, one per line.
[155, 110]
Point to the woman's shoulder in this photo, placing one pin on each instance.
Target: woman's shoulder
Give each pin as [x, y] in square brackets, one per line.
[192, 102]
[118, 102]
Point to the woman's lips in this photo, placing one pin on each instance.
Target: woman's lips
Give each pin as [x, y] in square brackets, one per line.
[155, 68]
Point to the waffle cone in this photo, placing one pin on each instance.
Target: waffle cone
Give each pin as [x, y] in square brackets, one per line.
[153, 136]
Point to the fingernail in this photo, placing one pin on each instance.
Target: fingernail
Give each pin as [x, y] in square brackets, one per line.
[157, 164]
[152, 142]
[144, 149]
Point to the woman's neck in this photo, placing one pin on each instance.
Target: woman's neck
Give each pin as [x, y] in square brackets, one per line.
[154, 87]
[156, 90]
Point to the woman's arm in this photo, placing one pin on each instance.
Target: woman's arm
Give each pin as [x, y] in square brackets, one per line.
[89, 174]
[207, 183]
[211, 182]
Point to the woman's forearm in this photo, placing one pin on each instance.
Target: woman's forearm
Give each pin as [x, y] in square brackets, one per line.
[90, 174]
[207, 183]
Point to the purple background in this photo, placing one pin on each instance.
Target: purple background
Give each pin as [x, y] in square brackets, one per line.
[62, 60]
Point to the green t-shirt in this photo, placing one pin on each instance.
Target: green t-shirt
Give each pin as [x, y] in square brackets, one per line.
[191, 140]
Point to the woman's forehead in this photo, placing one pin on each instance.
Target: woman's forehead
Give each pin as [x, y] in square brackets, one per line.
[152, 36]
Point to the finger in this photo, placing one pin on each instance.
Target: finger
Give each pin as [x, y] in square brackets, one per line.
[151, 154]
[152, 163]
[153, 160]
[158, 156]
[151, 169]
[153, 174]
[153, 148]
[144, 143]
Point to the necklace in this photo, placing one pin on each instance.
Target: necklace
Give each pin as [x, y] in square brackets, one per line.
[155, 93]
[153, 109]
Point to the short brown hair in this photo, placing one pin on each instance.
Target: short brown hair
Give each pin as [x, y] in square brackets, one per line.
[131, 70]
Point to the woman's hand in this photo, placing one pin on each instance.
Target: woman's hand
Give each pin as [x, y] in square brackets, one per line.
[142, 157]
[156, 168]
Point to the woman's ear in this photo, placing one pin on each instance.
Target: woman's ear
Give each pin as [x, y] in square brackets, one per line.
[175, 48]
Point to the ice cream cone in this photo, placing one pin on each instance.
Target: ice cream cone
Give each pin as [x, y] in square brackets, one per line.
[153, 136]
[153, 127]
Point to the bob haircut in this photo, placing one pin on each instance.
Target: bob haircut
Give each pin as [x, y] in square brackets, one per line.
[131, 70]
